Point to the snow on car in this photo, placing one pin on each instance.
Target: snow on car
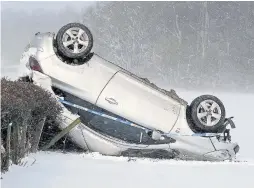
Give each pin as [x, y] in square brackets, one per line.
[121, 113]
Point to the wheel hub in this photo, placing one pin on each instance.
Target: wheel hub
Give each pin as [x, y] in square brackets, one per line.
[75, 40]
[209, 113]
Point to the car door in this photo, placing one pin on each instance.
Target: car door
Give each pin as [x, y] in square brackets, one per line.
[136, 101]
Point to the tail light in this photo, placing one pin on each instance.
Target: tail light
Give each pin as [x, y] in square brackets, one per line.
[34, 65]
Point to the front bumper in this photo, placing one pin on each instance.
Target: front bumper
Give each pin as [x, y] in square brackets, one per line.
[222, 150]
[204, 148]
[222, 155]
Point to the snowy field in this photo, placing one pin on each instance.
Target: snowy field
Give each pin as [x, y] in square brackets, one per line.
[56, 170]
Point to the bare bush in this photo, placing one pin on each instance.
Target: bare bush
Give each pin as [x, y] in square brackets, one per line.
[25, 108]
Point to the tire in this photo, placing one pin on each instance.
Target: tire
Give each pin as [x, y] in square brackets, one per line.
[70, 45]
[206, 114]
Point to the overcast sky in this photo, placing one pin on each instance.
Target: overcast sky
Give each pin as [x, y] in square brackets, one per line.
[49, 5]
[178, 52]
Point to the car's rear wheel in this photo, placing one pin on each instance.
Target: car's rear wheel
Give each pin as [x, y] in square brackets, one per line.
[74, 41]
[207, 114]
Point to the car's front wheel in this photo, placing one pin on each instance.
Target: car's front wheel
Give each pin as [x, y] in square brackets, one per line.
[207, 114]
[74, 41]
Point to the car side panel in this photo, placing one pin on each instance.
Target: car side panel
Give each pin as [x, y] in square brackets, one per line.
[85, 81]
[132, 99]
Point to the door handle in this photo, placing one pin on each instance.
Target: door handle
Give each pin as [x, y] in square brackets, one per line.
[111, 101]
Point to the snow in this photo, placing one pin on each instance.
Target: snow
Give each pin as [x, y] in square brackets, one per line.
[57, 170]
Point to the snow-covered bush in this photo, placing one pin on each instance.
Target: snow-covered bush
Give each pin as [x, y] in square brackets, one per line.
[25, 108]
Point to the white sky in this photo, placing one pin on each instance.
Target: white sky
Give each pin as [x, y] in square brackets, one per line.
[49, 5]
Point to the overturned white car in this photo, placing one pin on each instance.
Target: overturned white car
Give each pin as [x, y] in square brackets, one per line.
[121, 113]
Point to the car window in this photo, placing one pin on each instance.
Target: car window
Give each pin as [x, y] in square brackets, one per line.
[124, 132]
[118, 130]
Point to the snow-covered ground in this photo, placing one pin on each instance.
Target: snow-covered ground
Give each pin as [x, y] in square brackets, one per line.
[57, 170]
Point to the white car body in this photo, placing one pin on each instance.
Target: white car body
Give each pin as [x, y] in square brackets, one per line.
[114, 89]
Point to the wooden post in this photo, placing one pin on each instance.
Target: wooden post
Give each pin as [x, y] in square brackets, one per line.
[8, 147]
[28, 140]
[37, 135]
[62, 133]
[23, 136]
[3, 155]
[15, 141]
